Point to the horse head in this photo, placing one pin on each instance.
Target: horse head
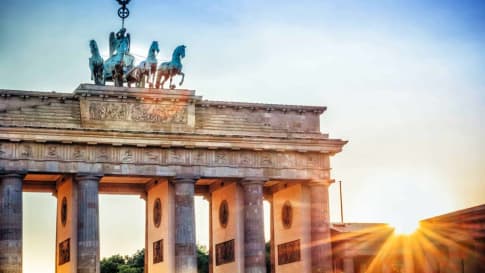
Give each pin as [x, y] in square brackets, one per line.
[154, 47]
[179, 51]
[94, 48]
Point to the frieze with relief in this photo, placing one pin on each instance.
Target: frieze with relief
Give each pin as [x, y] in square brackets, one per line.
[162, 156]
[140, 112]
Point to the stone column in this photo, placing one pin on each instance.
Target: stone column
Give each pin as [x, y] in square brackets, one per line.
[321, 247]
[88, 223]
[11, 223]
[211, 237]
[185, 247]
[348, 265]
[272, 249]
[254, 250]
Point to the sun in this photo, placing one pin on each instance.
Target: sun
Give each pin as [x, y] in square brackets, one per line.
[405, 227]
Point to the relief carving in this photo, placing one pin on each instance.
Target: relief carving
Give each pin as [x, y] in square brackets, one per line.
[176, 156]
[64, 251]
[244, 159]
[289, 252]
[287, 215]
[159, 113]
[102, 154]
[198, 157]
[5, 150]
[78, 153]
[151, 156]
[127, 155]
[107, 111]
[266, 160]
[64, 211]
[312, 161]
[221, 158]
[52, 151]
[158, 251]
[166, 113]
[223, 214]
[225, 252]
[157, 213]
[2, 151]
[26, 151]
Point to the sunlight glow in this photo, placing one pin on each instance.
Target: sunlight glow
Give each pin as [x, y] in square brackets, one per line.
[405, 227]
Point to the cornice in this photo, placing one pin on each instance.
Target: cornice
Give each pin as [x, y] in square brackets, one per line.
[167, 140]
[263, 106]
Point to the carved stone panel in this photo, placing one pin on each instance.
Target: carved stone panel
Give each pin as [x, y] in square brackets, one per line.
[225, 252]
[289, 252]
[134, 114]
[158, 251]
[64, 251]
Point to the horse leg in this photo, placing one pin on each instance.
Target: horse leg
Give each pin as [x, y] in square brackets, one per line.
[159, 77]
[164, 80]
[183, 77]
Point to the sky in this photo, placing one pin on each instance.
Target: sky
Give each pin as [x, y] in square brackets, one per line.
[404, 83]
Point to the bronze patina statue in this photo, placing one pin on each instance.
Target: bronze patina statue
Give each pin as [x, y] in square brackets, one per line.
[96, 64]
[169, 69]
[120, 68]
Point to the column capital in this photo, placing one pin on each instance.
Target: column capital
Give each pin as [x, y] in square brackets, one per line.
[88, 176]
[253, 180]
[184, 178]
[320, 182]
[12, 174]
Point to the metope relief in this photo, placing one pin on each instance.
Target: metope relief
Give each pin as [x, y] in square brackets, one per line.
[26, 151]
[127, 155]
[6, 150]
[52, 152]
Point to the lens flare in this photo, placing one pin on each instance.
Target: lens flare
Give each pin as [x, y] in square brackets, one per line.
[405, 227]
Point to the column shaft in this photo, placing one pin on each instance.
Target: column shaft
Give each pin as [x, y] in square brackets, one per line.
[321, 249]
[254, 249]
[185, 247]
[211, 237]
[88, 224]
[11, 223]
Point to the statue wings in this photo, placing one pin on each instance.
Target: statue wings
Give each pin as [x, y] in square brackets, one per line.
[113, 43]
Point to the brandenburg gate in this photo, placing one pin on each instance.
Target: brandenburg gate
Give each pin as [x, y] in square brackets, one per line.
[168, 146]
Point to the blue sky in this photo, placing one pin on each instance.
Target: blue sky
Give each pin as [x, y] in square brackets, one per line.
[404, 82]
